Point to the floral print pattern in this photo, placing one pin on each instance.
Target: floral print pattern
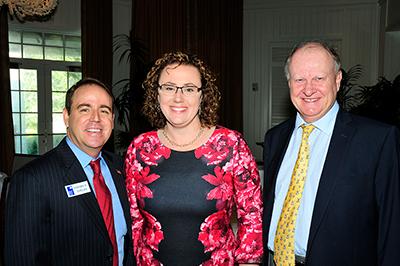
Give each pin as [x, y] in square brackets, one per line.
[236, 182]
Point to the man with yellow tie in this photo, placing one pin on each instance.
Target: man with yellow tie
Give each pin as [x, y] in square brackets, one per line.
[332, 190]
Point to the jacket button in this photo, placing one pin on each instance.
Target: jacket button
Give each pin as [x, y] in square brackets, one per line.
[109, 257]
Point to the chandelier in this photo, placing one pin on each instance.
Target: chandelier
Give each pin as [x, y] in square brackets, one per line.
[29, 7]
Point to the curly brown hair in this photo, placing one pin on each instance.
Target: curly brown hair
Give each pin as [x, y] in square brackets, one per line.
[210, 93]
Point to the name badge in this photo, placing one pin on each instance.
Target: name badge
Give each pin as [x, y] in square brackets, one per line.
[77, 189]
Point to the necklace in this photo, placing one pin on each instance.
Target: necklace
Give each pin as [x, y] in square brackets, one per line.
[182, 145]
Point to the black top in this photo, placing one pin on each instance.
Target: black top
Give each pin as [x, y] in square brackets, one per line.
[179, 203]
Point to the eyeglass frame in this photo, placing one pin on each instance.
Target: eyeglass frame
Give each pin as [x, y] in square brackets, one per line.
[181, 88]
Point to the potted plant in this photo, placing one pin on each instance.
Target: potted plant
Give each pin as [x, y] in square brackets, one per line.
[129, 102]
[345, 96]
[380, 101]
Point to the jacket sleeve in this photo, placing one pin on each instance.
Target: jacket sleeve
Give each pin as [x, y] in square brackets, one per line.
[27, 222]
[387, 189]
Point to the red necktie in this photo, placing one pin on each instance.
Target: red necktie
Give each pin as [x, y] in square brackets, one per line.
[105, 203]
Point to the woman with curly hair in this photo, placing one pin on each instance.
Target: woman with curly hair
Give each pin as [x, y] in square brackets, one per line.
[184, 178]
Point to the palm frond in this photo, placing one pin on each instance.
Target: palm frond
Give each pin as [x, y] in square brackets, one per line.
[129, 102]
[348, 86]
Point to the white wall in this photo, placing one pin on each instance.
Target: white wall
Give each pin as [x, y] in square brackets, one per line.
[352, 25]
[392, 55]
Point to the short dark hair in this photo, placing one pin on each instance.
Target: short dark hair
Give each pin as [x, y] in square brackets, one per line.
[210, 93]
[327, 45]
[83, 82]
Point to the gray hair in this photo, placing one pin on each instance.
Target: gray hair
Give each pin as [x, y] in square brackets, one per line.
[328, 46]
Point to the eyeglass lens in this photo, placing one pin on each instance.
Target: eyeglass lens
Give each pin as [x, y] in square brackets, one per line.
[170, 90]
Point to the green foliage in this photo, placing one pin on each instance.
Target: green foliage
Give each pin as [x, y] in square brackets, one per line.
[379, 102]
[59, 80]
[29, 123]
[28, 79]
[33, 147]
[345, 96]
[29, 102]
[74, 77]
[130, 101]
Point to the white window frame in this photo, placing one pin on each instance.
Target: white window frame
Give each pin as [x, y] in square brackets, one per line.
[44, 97]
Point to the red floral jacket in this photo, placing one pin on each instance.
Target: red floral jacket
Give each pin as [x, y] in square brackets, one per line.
[236, 182]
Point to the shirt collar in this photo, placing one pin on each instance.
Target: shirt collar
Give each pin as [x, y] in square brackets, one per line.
[83, 158]
[325, 124]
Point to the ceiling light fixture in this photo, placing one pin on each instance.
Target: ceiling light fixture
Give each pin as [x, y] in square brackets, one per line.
[24, 8]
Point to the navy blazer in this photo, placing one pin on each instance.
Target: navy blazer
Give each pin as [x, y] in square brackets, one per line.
[356, 217]
[45, 227]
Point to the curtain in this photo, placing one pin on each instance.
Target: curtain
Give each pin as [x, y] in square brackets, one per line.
[97, 44]
[208, 28]
[6, 123]
[220, 43]
[7, 130]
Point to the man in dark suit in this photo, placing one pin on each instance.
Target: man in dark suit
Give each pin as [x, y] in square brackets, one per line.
[52, 214]
[349, 211]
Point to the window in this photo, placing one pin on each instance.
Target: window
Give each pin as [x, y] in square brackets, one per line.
[43, 67]
[281, 106]
[44, 46]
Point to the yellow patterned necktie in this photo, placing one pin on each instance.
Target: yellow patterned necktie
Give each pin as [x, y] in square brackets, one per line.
[284, 239]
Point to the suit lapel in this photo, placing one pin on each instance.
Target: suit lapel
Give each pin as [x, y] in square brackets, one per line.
[75, 174]
[283, 141]
[342, 135]
[275, 163]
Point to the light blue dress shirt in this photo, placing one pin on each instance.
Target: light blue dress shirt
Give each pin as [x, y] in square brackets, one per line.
[318, 143]
[119, 217]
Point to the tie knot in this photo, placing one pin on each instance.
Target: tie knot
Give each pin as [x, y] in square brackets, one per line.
[95, 165]
[307, 129]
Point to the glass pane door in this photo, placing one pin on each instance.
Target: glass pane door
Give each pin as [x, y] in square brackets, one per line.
[61, 81]
[38, 99]
[24, 95]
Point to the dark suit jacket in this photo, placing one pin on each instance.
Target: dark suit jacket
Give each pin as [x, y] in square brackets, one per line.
[45, 227]
[356, 218]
